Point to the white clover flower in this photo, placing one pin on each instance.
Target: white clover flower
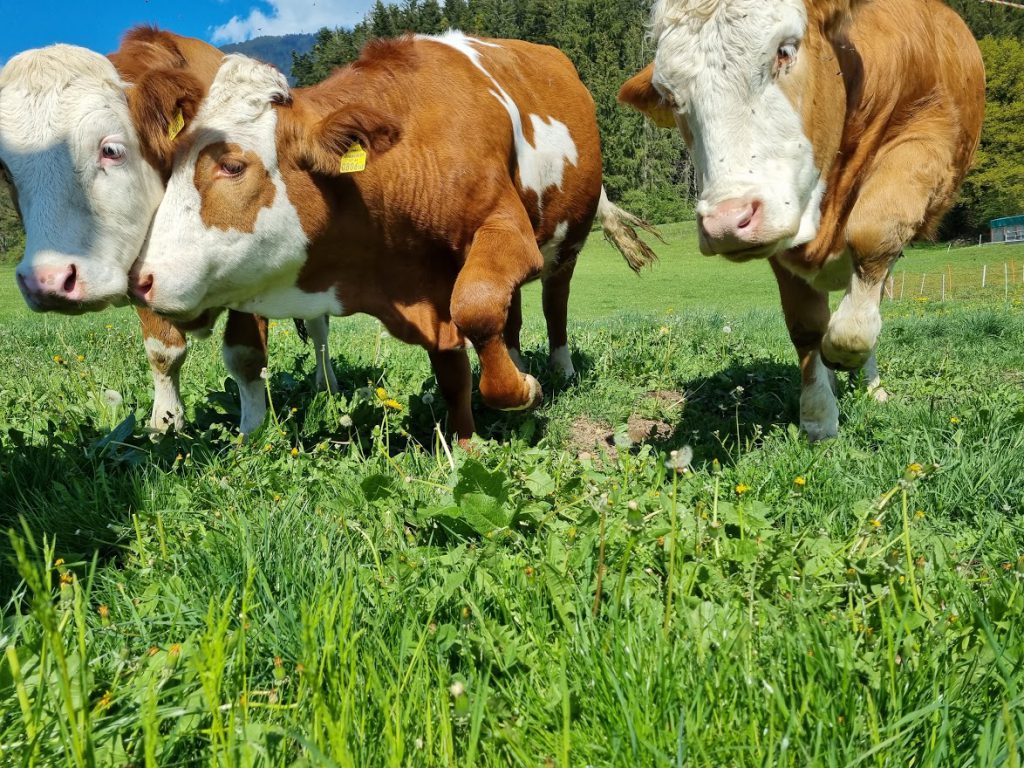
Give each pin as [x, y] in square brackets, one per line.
[264, 374]
[456, 689]
[345, 421]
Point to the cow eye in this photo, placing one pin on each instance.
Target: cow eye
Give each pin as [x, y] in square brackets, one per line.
[113, 153]
[785, 57]
[232, 168]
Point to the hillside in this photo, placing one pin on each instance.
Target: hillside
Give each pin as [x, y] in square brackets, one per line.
[274, 49]
[11, 234]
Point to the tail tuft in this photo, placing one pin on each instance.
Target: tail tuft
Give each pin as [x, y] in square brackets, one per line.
[620, 229]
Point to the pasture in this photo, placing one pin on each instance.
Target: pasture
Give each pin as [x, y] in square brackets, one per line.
[347, 589]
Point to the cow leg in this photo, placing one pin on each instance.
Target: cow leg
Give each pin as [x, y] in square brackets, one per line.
[556, 313]
[319, 330]
[872, 381]
[451, 369]
[245, 355]
[908, 189]
[807, 315]
[503, 256]
[513, 326]
[166, 350]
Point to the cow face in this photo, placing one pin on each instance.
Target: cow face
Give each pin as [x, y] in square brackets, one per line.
[732, 74]
[227, 232]
[84, 189]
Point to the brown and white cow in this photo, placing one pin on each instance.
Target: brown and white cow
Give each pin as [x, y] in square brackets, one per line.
[482, 171]
[823, 143]
[86, 185]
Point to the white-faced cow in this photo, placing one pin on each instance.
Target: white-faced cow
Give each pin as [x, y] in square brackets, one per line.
[86, 183]
[826, 134]
[423, 184]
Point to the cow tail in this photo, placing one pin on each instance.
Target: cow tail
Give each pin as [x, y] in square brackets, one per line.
[300, 330]
[620, 229]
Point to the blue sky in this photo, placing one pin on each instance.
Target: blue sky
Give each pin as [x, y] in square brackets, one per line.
[99, 24]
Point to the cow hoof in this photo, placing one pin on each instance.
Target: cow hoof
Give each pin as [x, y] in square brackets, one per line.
[878, 394]
[561, 363]
[817, 431]
[534, 395]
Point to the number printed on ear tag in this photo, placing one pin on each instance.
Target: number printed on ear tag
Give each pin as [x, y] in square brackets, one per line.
[354, 160]
[177, 123]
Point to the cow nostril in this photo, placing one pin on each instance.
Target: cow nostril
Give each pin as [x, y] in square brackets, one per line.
[144, 285]
[70, 280]
[750, 215]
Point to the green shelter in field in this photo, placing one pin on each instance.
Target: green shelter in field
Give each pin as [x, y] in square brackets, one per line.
[1009, 229]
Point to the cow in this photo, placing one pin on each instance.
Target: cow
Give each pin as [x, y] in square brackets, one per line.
[86, 188]
[423, 184]
[826, 135]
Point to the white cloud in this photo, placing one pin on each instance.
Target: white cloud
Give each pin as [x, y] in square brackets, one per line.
[288, 16]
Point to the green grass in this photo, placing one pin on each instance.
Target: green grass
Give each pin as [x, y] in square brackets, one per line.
[342, 591]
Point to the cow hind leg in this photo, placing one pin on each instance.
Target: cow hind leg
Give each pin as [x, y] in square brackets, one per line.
[454, 380]
[807, 315]
[319, 331]
[909, 189]
[503, 256]
[165, 350]
[245, 356]
[555, 291]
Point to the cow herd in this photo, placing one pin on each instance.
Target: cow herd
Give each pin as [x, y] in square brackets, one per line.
[426, 182]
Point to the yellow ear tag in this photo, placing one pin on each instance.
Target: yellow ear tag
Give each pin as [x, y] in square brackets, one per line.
[177, 123]
[354, 160]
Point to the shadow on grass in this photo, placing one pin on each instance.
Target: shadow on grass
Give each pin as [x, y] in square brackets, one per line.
[69, 490]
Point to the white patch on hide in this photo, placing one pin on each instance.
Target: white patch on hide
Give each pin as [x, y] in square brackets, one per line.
[168, 410]
[551, 248]
[251, 392]
[561, 361]
[819, 411]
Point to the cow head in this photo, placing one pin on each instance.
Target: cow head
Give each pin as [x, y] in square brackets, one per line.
[85, 190]
[234, 222]
[737, 77]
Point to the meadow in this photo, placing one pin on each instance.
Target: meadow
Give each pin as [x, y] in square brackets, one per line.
[653, 569]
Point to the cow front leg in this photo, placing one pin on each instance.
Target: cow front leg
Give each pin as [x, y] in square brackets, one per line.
[555, 293]
[503, 256]
[454, 380]
[872, 381]
[807, 316]
[319, 330]
[245, 356]
[852, 334]
[513, 327]
[165, 350]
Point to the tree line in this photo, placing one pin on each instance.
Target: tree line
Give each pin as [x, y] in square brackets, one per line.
[646, 168]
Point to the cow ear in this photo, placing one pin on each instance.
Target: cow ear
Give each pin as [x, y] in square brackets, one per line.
[640, 94]
[162, 104]
[376, 132]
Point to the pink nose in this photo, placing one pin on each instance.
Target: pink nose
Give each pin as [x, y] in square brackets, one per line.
[142, 286]
[733, 225]
[51, 287]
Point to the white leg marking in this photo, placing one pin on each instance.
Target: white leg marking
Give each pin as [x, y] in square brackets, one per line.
[561, 361]
[165, 363]
[853, 330]
[319, 330]
[240, 361]
[872, 381]
[517, 358]
[819, 411]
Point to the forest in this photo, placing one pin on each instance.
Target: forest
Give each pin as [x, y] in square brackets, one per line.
[646, 169]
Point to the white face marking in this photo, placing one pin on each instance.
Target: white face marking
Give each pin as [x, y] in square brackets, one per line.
[252, 395]
[819, 411]
[717, 62]
[195, 267]
[85, 191]
[854, 327]
[165, 364]
[541, 164]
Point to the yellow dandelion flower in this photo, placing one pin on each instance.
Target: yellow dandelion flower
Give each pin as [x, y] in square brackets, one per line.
[153, 650]
[66, 578]
[954, 420]
[109, 327]
[268, 447]
[800, 481]
[174, 650]
[919, 515]
[382, 394]
[58, 359]
[58, 562]
[80, 358]
[106, 700]
[742, 488]
[104, 612]
[392, 404]
[277, 497]
[295, 452]
[295, 410]
[876, 523]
